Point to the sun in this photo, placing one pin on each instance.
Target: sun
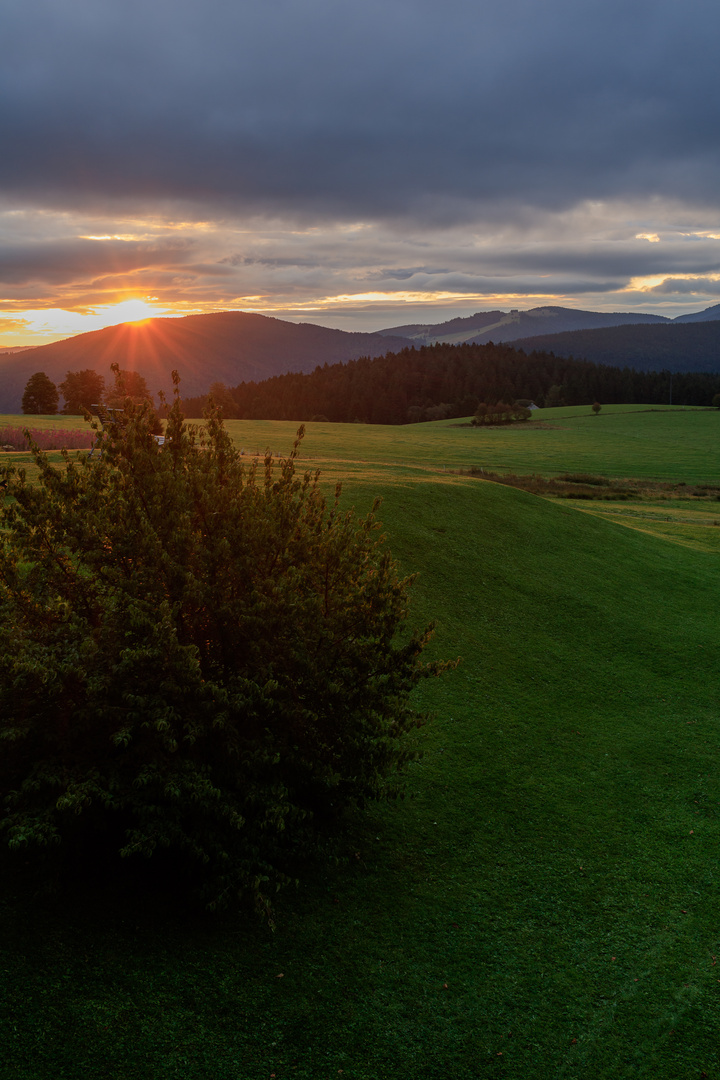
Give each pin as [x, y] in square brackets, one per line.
[131, 310]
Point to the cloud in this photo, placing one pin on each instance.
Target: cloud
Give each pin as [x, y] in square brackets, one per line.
[374, 110]
[403, 273]
[73, 259]
[326, 271]
[288, 155]
[690, 285]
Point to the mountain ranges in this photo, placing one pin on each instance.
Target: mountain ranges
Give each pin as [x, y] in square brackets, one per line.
[234, 346]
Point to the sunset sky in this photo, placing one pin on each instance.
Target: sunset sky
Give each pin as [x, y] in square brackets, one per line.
[355, 165]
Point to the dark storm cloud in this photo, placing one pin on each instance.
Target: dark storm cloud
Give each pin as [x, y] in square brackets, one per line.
[402, 273]
[407, 107]
[631, 259]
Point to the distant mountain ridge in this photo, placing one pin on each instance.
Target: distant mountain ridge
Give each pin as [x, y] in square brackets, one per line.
[673, 346]
[228, 346]
[506, 326]
[710, 314]
[236, 346]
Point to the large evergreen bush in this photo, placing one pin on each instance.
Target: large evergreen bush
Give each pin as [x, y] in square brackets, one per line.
[197, 655]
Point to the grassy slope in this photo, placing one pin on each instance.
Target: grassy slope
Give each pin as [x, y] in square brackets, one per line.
[556, 866]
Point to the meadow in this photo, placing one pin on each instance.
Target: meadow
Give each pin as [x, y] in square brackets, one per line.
[544, 902]
[653, 442]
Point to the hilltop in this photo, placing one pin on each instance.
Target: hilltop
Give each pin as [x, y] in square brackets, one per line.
[485, 326]
[229, 347]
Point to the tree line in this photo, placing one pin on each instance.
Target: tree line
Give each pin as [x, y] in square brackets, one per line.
[434, 382]
[444, 381]
[81, 390]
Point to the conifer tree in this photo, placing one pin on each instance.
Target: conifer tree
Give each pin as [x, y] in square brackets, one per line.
[40, 396]
[196, 655]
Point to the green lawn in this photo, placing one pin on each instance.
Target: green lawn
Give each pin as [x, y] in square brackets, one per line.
[545, 903]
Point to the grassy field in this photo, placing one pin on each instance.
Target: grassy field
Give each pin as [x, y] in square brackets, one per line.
[623, 440]
[620, 441]
[545, 902]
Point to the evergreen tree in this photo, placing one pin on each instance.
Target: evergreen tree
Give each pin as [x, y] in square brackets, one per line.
[40, 396]
[223, 400]
[196, 656]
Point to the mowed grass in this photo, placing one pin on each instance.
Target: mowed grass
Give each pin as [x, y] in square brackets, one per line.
[543, 904]
[632, 441]
[681, 521]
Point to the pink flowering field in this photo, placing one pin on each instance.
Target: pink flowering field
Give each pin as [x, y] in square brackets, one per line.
[14, 438]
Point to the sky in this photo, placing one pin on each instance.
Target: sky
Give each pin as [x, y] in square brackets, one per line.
[359, 166]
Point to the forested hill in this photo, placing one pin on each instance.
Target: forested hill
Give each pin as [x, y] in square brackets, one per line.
[223, 347]
[486, 326]
[686, 346]
[439, 381]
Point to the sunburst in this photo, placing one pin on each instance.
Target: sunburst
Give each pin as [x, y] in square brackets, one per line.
[131, 310]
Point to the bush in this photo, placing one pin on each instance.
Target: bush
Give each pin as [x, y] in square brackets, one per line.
[502, 413]
[196, 656]
[438, 412]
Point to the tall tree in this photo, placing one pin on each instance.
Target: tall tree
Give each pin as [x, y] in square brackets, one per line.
[223, 399]
[130, 388]
[128, 385]
[41, 395]
[82, 390]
